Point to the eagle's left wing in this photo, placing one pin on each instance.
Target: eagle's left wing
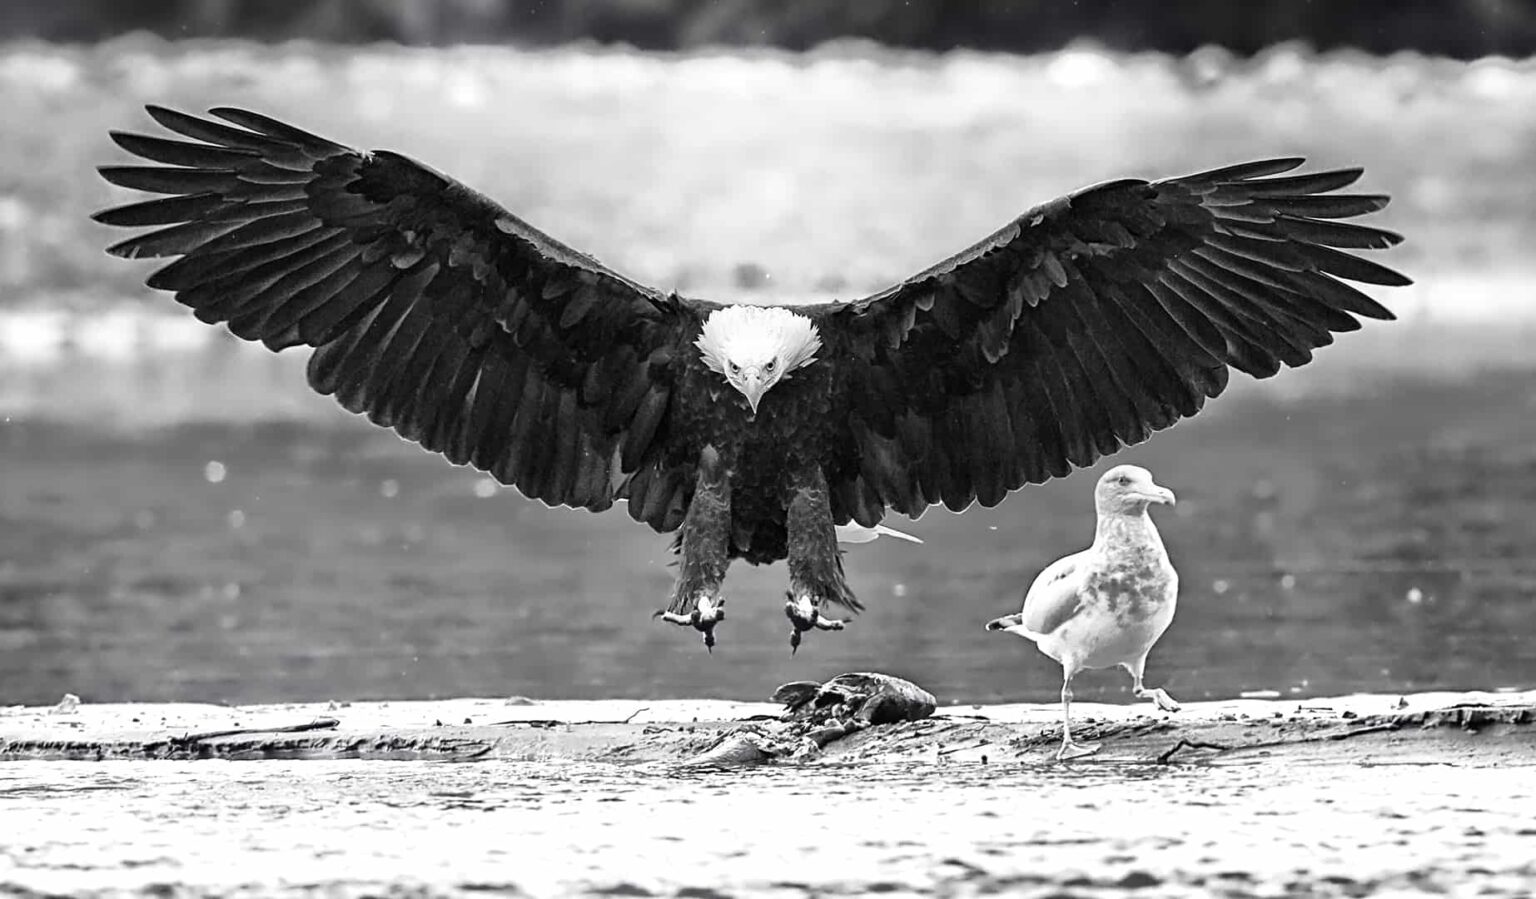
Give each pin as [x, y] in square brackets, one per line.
[432, 310]
[1085, 325]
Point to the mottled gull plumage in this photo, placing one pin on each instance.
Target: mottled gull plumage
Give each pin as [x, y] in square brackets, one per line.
[1107, 605]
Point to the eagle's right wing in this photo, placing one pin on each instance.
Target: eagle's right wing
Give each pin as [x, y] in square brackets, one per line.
[1085, 325]
[431, 309]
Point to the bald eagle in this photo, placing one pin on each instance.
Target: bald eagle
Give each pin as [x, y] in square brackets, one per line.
[1080, 327]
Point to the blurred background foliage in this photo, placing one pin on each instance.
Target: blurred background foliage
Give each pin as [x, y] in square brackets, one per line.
[1457, 28]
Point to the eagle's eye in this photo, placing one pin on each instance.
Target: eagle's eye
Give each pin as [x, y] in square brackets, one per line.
[735, 369]
[769, 366]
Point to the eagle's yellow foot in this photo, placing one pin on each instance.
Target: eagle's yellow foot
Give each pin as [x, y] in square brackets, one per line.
[804, 615]
[705, 615]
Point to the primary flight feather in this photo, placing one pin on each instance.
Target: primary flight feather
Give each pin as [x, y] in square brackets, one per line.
[1081, 327]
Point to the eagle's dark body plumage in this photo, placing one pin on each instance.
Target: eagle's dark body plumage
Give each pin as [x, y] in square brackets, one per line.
[1081, 327]
[761, 451]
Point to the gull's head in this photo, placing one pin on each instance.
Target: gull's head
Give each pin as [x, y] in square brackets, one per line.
[1128, 489]
[756, 347]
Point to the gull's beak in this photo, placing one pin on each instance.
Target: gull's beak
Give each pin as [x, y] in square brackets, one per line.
[753, 387]
[1160, 495]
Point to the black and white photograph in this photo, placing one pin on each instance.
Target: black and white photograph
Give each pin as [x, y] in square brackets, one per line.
[1073, 449]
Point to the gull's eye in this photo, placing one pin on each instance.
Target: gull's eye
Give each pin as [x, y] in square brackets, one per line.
[1125, 481]
[769, 366]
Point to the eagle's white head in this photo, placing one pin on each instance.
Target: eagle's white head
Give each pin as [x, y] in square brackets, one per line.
[756, 347]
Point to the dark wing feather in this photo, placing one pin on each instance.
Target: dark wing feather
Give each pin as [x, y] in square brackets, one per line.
[1085, 325]
[431, 309]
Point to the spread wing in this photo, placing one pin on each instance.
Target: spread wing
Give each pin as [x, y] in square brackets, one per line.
[1085, 325]
[431, 309]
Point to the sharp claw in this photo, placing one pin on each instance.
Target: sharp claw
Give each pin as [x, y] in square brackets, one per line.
[698, 620]
[706, 626]
[829, 624]
[804, 615]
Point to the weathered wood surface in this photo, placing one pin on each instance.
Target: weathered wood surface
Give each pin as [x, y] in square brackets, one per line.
[1466, 727]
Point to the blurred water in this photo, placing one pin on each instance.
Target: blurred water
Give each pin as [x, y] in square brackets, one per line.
[181, 520]
[686, 170]
[207, 529]
[355, 828]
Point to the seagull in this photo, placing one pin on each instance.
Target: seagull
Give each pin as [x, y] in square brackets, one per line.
[1107, 605]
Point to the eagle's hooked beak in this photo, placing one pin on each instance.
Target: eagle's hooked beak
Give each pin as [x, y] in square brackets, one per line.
[753, 386]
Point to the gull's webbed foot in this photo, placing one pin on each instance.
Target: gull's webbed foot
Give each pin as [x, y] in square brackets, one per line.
[1071, 749]
[1160, 697]
[804, 614]
[706, 613]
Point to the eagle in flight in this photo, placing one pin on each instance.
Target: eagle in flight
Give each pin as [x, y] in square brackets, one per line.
[1080, 327]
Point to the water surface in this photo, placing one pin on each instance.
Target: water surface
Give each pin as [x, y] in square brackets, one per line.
[1376, 540]
[940, 829]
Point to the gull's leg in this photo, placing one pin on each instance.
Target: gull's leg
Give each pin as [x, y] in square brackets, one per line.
[696, 599]
[1070, 749]
[815, 563]
[1156, 694]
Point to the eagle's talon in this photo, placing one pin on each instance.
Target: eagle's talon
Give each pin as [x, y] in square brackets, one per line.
[804, 615]
[706, 626]
[702, 618]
